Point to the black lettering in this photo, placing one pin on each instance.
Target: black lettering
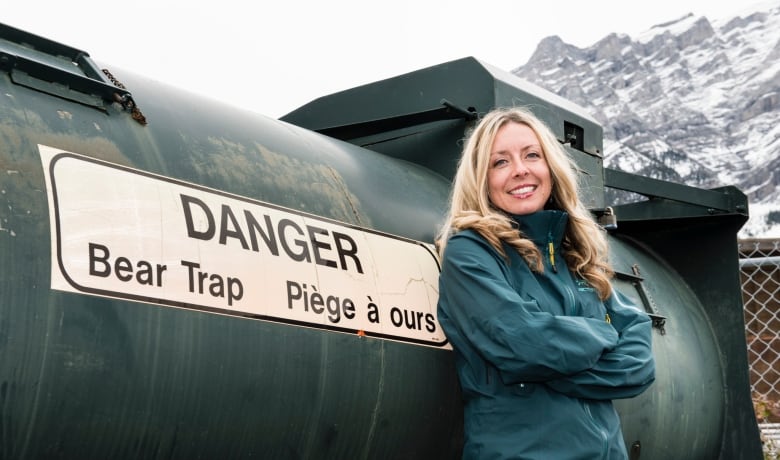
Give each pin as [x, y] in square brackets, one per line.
[301, 256]
[95, 259]
[417, 322]
[349, 309]
[235, 232]
[373, 311]
[345, 246]
[411, 319]
[294, 292]
[430, 323]
[201, 278]
[100, 265]
[316, 302]
[123, 269]
[160, 269]
[317, 245]
[191, 266]
[144, 275]
[217, 287]
[298, 243]
[396, 317]
[332, 306]
[208, 233]
[235, 290]
[268, 235]
[334, 311]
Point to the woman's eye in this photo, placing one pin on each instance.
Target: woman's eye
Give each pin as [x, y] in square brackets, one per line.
[499, 162]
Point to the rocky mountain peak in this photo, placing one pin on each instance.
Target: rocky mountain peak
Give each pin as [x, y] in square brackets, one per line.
[689, 100]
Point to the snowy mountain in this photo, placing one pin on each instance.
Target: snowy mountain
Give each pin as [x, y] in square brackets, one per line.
[689, 101]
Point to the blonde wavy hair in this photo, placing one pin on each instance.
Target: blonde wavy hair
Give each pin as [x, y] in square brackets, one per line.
[585, 246]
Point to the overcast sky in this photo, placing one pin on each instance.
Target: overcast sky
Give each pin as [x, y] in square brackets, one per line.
[272, 57]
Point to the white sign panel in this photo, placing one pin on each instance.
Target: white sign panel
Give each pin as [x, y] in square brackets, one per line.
[130, 234]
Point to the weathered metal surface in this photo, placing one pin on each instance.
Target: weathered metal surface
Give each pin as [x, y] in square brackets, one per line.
[108, 373]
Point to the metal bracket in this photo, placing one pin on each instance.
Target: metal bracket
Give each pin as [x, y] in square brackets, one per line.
[53, 68]
[635, 278]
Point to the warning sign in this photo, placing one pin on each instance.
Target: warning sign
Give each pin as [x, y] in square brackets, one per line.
[125, 233]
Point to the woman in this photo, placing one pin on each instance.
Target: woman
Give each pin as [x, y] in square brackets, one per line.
[542, 342]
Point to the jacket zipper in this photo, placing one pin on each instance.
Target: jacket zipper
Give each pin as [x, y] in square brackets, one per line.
[604, 440]
[551, 252]
[572, 300]
[551, 257]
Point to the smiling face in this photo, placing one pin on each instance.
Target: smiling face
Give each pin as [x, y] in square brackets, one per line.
[519, 180]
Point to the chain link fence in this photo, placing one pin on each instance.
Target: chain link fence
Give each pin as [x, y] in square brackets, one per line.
[760, 273]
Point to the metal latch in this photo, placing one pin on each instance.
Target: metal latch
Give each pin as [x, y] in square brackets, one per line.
[636, 280]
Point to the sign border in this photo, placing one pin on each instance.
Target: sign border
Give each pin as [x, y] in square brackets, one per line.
[59, 154]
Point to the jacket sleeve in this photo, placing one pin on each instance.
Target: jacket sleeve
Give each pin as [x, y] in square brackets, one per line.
[624, 371]
[524, 342]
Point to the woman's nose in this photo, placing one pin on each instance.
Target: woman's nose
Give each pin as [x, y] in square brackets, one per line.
[520, 169]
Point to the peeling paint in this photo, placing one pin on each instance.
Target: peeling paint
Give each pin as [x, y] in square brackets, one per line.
[293, 182]
[35, 130]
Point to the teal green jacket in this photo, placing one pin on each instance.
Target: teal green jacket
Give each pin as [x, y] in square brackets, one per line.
[539, 363]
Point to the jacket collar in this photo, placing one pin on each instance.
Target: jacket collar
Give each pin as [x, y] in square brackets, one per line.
[543, 227]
